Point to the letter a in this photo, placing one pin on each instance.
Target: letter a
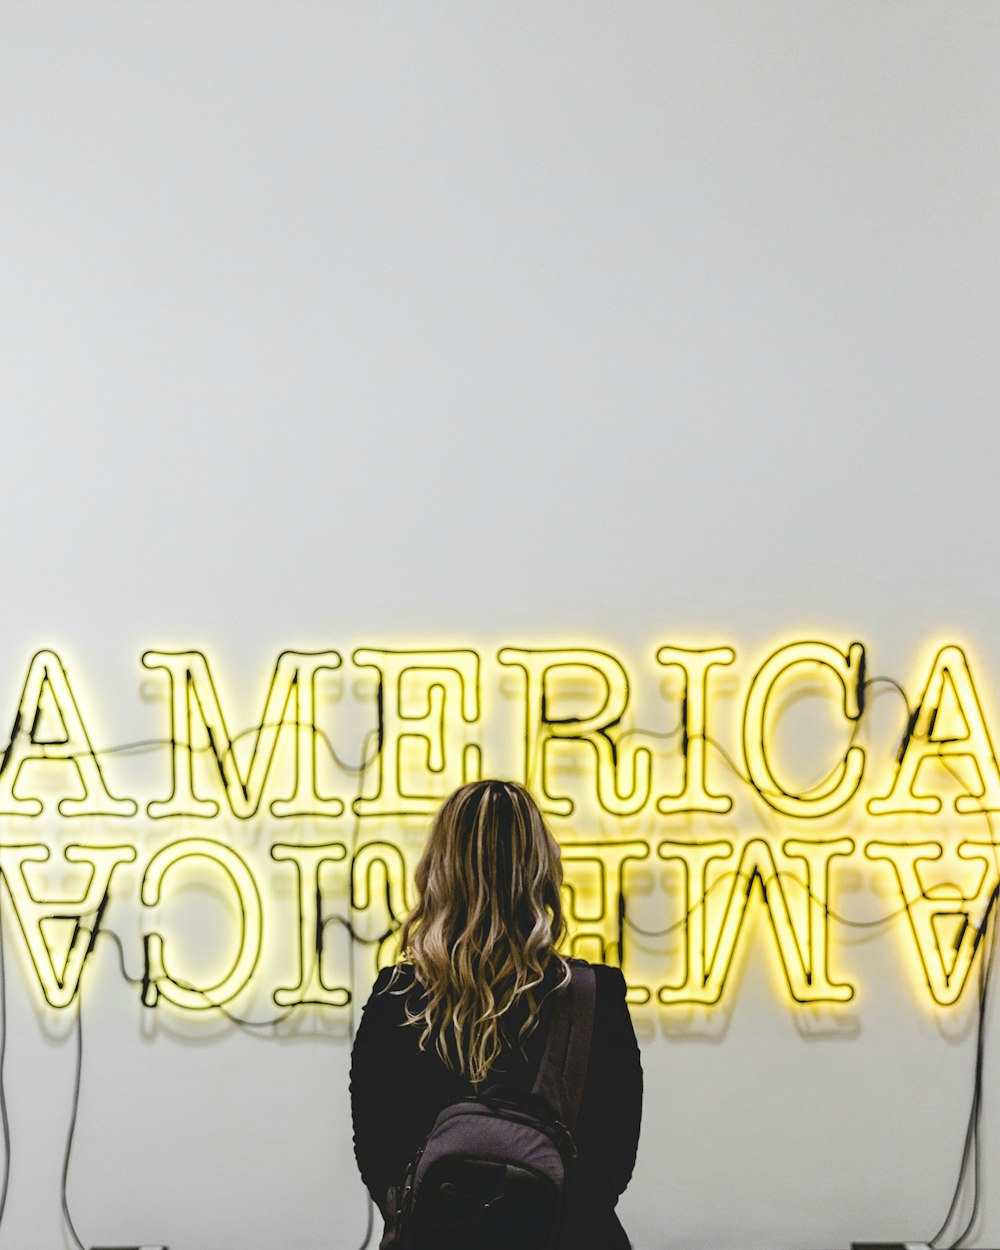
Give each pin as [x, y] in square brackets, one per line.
[35, 915]
[48, 727]
[933, 736]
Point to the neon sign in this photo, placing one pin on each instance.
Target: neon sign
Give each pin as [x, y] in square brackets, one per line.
[296, 841]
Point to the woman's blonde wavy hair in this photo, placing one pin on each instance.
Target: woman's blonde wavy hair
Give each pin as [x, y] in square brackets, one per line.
[487, 923]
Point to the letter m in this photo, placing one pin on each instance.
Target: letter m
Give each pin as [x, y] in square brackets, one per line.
[198, 725]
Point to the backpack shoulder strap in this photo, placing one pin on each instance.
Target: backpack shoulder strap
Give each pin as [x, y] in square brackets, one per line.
[563, 1068]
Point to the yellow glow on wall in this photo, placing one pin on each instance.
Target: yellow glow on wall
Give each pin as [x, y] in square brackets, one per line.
[948, 725]
[311, 986]
[696, 666]
[185, 993]
[848, 668]
[289, 708]
[594, 885]
[623, 777]
[36, 913]
[665, 806]
[946, 923]
[415, 744]
[713, 928]
[48, 728]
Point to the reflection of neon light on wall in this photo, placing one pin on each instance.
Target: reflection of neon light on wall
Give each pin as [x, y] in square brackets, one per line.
[35, 914]
[250, 911]
[614, 795]
[710, 940]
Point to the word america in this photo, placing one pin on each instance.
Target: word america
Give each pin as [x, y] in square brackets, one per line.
[716, 885]
[430, 738]
[428, 706]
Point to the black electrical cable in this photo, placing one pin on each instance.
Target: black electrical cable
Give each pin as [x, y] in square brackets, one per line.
[677, 924]
[988, 928]
[887, 681]
[663, 735]
[976, 1113]
[355, 936]
[784, 876]
[773, 794]
[369, 1225]
[822, 783]
[146, 744]
[193, 989]
[4, 1119]
[113, 937]
[734, 768]
[72, 1123]
[240, 1021]
[971, 1146]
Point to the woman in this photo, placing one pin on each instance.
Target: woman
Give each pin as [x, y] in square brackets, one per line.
[470, 1003]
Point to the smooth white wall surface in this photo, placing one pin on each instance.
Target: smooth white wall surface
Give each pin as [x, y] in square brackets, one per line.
[342, 324]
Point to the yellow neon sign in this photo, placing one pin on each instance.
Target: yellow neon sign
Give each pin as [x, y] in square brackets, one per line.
[594, 728]
[160, 983]
[710, 940]
[849, 669]
[194, 702]
[695, 665]
[441, 681]
[946, 923]
[610, 789]
[47, 691]
[929, 740]
[59, 986]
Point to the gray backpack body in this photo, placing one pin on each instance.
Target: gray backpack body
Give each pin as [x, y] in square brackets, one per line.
[492, 1173]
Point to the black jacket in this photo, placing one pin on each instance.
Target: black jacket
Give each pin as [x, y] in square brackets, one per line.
[397, 1090]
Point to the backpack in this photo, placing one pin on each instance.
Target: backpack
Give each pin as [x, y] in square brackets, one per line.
[492, 1173]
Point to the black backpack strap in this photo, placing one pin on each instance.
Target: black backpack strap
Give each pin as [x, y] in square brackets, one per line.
[563, 1069]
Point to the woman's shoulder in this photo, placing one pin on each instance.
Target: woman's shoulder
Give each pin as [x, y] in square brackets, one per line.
[393, 977]
[395, 985]
[609, 980]
[391, 991]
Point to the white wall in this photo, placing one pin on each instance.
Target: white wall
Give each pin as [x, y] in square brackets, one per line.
[346, 324]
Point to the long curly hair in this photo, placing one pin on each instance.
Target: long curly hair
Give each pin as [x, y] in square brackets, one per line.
[487, 923]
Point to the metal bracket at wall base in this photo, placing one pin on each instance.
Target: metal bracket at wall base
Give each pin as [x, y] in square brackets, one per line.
[891, 1245]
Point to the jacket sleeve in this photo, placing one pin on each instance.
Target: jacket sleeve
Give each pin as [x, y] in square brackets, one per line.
[376, 1105]
[616, 1084]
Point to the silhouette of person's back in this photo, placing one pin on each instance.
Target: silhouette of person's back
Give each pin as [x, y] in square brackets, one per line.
[480, 944]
